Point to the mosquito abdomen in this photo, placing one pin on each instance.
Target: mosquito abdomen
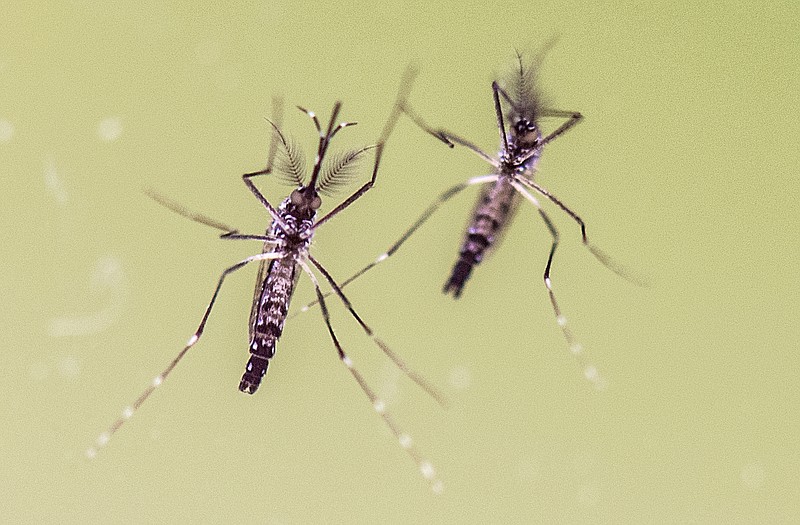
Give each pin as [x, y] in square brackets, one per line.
[488, 220]
[272, 304]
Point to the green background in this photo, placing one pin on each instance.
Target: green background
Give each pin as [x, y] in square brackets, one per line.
[685, 169]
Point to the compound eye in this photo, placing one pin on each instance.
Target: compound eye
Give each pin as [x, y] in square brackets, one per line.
[296, 197]
[316, 203]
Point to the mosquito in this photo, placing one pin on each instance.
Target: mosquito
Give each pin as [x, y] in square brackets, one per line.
[519, 110]
[284, 257]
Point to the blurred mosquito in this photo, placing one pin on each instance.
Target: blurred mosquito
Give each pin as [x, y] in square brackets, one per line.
[512, 178]
[285, 255]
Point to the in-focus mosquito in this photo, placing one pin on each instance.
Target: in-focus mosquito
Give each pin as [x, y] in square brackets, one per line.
[512, 177]
[285, 255]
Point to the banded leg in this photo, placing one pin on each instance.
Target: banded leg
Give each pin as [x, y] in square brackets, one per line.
[600, 255]
[446, 195]
[378, 404]
[589, 371]
[128, 411]
[423, 383]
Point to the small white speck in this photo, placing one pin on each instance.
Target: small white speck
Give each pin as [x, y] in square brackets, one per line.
[91, 453]
[6, 130]
[109, 129]
[347, 362]
[591, 373]
[752, 476]
[316, 160]
[405, 441]
[460, 377]
[438, 487]
[192, 340]
[382, 257]
[304, 309]
[127, 413]
[427, 470]
[548, 283]
[102, 439]
[158, 380]
[380, 406]
[561, 320]
[312, 114]
[576, 348]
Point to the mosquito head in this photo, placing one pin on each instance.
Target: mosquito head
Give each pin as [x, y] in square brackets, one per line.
[305, 201]
[525, 133]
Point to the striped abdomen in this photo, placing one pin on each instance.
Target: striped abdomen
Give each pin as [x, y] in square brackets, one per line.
[267, 318]
[490, 217]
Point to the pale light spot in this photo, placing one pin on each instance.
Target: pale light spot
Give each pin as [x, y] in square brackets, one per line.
[109, 129]
[53, 182]
[38, 371]
[588, 496]
[127, 412]
[752, 475]
[547, 283]
[460, 377]
[158, 380]
[380, 406]
[427, 470]
[438, 487]
[102, 439]
[382, 257]
[591, 373]
[305, 308]
[405, 441]
[347, 362]
[576, 348]
[109, 280]
[6, 130]
[192, 340]
[561, 320]
[91, 453]
[69, 367]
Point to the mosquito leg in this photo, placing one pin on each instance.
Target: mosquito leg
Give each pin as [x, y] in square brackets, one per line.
[230, 233]
[358, 193]
[271, 209]
[601, 256]
[128, 411]
[444, 197]
[589, 371]
[499, 110]
[573, 118]
[451, 139]
[423, 383]
[405, 87]
[378, 404]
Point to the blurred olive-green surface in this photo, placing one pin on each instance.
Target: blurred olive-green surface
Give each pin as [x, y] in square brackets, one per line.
[685, 169]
